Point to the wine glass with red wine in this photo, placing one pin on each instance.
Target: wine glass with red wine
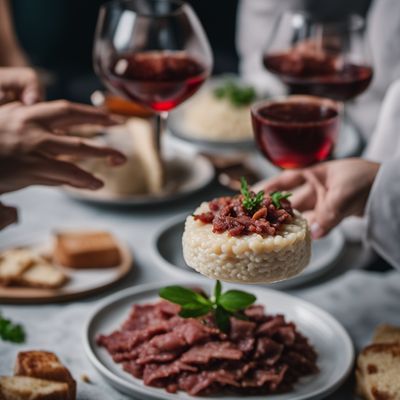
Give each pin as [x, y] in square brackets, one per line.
[296, 131]
[153, 52]
[320, 58]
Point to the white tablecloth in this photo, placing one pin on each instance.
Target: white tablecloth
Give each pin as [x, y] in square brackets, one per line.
[360, 300]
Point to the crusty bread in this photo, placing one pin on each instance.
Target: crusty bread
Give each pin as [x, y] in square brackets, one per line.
[13, 263]
[378, 366]
[80, 249]
[26, 388]
[27, 267]
[45, 365]
[387, 334]
[43, 275]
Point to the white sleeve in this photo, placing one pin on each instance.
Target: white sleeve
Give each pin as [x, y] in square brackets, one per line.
[383, 212]
[255, 24]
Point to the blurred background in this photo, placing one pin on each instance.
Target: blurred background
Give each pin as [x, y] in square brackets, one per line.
[57, 37]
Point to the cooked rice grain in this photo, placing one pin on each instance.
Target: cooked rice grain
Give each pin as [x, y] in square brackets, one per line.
[250, 258]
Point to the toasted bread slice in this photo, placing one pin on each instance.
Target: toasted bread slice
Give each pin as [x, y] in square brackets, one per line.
[378, 372]
[387, 334]
[26, 388]
[45, 365]
[94, 249]
[43, 275]
[14, 262]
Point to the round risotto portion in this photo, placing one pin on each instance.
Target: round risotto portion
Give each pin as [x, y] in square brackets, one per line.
[230, 249]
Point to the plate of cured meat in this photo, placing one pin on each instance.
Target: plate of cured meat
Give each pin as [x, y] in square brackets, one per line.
[190, 340]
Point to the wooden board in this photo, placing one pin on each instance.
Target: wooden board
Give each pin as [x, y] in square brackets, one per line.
[78, 286]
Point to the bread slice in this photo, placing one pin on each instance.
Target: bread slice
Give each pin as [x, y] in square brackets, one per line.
[378, 372]
[26, 388]
[45, 365]
[14, 262]
[387, 334]
[95, 249]
[43, 275]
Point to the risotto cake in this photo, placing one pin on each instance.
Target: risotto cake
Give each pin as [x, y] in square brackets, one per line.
[247, 238]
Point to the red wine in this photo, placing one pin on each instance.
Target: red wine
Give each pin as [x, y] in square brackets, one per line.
[158, 79]
[320, 76]
[295, 134]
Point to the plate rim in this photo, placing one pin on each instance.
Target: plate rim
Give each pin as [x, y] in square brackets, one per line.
[124, 268]
[118, 382]
[283, 285]
[143, 200]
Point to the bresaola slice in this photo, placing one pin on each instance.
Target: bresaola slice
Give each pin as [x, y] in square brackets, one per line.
[262, 354]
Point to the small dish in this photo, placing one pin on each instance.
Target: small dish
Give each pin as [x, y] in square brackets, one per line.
[167, 246]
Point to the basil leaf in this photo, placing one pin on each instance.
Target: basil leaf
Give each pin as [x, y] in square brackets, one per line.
[180, 295]
[222, 319]
[235, 300]
[189, 312]
[217, 290]
[276, 198]
[11, 332]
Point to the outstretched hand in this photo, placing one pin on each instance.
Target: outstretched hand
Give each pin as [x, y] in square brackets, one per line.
[327, 192]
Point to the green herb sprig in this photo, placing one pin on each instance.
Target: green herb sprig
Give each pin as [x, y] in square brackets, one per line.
[250, 200]
[276, 198]
[11, 332]
[222, 305]
[238, 95]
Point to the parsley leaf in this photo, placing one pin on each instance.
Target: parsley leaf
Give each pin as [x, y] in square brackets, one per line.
[11, 332]
[276, 198]
[222, 305]
[238, 95]
[251, 200]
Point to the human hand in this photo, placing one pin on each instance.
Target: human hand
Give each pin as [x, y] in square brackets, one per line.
[327, 192]
[20, 84]
[31, 140]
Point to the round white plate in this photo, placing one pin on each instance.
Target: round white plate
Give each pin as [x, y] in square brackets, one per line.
[167, 246]
[331, 341]
[81, 281]
[186, 174]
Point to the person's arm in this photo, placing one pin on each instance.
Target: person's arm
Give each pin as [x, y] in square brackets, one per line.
[383, 212]
[11, 53]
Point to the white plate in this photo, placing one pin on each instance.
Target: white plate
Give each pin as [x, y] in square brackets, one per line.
[81, 282]
[186, 174]
[167, 246]
[331, 341]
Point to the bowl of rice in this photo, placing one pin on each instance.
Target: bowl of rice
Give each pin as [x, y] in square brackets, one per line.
[247, 238]
[218, 115]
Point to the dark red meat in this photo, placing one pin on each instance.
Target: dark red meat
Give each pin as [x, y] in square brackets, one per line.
[262, 354]
[227, 214]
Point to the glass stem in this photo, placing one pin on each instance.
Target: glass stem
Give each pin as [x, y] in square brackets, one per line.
[160, 124]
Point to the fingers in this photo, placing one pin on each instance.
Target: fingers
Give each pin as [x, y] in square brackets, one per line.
[324, 217]
[61, 114]
[57, 172]
[304, 197]
[8, 215]
[287, 180]
[58, 145]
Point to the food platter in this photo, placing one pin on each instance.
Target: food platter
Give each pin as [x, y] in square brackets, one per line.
[167, 247]
[331, 341]
[81, 282]
[185, 175]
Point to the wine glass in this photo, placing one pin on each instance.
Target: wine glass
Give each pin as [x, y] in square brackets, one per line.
[154, 52]
[296, 131]
[321, 58]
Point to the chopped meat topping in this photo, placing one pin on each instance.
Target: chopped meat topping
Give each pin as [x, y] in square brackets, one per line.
[227, 214]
